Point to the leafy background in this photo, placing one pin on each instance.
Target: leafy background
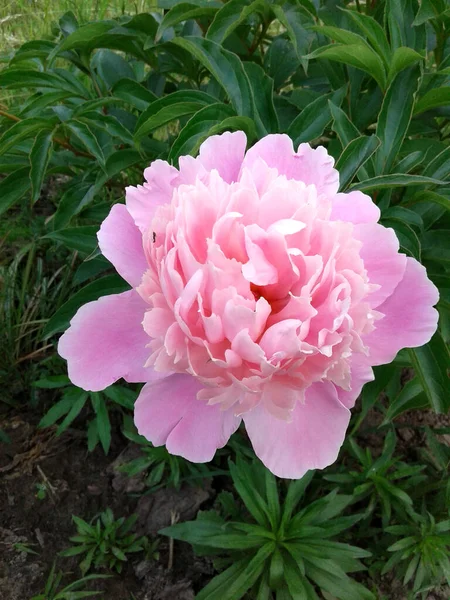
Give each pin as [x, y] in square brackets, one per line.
[84, 109]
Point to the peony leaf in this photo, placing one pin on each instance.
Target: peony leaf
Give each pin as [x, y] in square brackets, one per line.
[184, 11]
[431, 365]
[354, 156]
[226, 68]
[230, 16]
[433, 99]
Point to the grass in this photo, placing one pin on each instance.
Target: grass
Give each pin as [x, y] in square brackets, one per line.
[25, 20]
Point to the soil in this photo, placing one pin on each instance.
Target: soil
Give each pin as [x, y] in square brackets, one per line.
[33, 531]
[85, 484]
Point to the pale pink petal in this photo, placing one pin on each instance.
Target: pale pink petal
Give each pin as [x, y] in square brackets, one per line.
[410, 319]
[385, 266]
[169, 412]
[354, 207]
[312, 166]
[143, 200]
[121, 243]
[310, 441]
[106, 341]
[360, 373]
[225, 153]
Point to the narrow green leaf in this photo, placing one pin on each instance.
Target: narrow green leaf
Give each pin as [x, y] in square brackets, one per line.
[429, 196]
[313, 119]
[262, 86]
[83, 239]
[183, 11]
[231, 16]
[59, 409]
[402, 59]
[395, 116]
[433, 99]
[343, 36]
[374, 33]
[395, 180]
[39, 158]
[431, 363]
[411, 396]
[355, 55]
[164, 116]
[354, 156]
[134, 93]
[87, 138]
[14, 187]
[79, 400]
[103, 424]
[226, 68]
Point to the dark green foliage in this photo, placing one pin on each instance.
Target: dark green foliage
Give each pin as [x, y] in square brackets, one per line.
[106, 542]
[284, 545]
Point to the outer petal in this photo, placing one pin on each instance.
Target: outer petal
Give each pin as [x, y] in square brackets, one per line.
[361, 373]
[143, 200]
[310, 441]
[354, 207]
[224, 153]
[312, 166]
[121, 243]
[410, 319]
[106, 341]
[385, 266]
[168, 412]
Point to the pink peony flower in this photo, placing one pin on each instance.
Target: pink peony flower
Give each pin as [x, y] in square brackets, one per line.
[259, 293]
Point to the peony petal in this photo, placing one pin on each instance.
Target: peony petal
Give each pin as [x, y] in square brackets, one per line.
[168, 412]
[106, 341]
[143, 200]
[385, 266]
[361, 373]
[310, 441]
[121, 243]
[354, 207]
[410, 319]
[224, 153]
[312, 166]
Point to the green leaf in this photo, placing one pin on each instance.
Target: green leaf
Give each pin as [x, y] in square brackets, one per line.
[79, 398]
[291, 16]
[23, 130]
[169, 108]
[85, 36]
[230, 17]
[294, 494]
[121, 395]
[433, 99]
[60, 408]
[87, 138]
[395, 116]
[409, 241]
[111, 67]
[262, 86]
[439, 167]
[103, 424]
[183, 11]
[395, 180]
[402, 59]
[313, 119]
[354, 55]
[22, 78]
[134, 93]
[342, 125]
[39, 159]
[424, 14]
[111, 284]
[52, 382]
[14, 187]
[429, 196]
[249, 494]
[354, 156]
[374, 33]
[411, 396]
[226, 68]
[197, 130]
[431, 363]
[241, 581]
[83, 239]
[343, 36]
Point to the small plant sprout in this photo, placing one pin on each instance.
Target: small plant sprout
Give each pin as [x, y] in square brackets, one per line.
[105, 542]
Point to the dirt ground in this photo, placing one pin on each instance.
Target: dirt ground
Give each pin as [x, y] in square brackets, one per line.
[84, 485]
